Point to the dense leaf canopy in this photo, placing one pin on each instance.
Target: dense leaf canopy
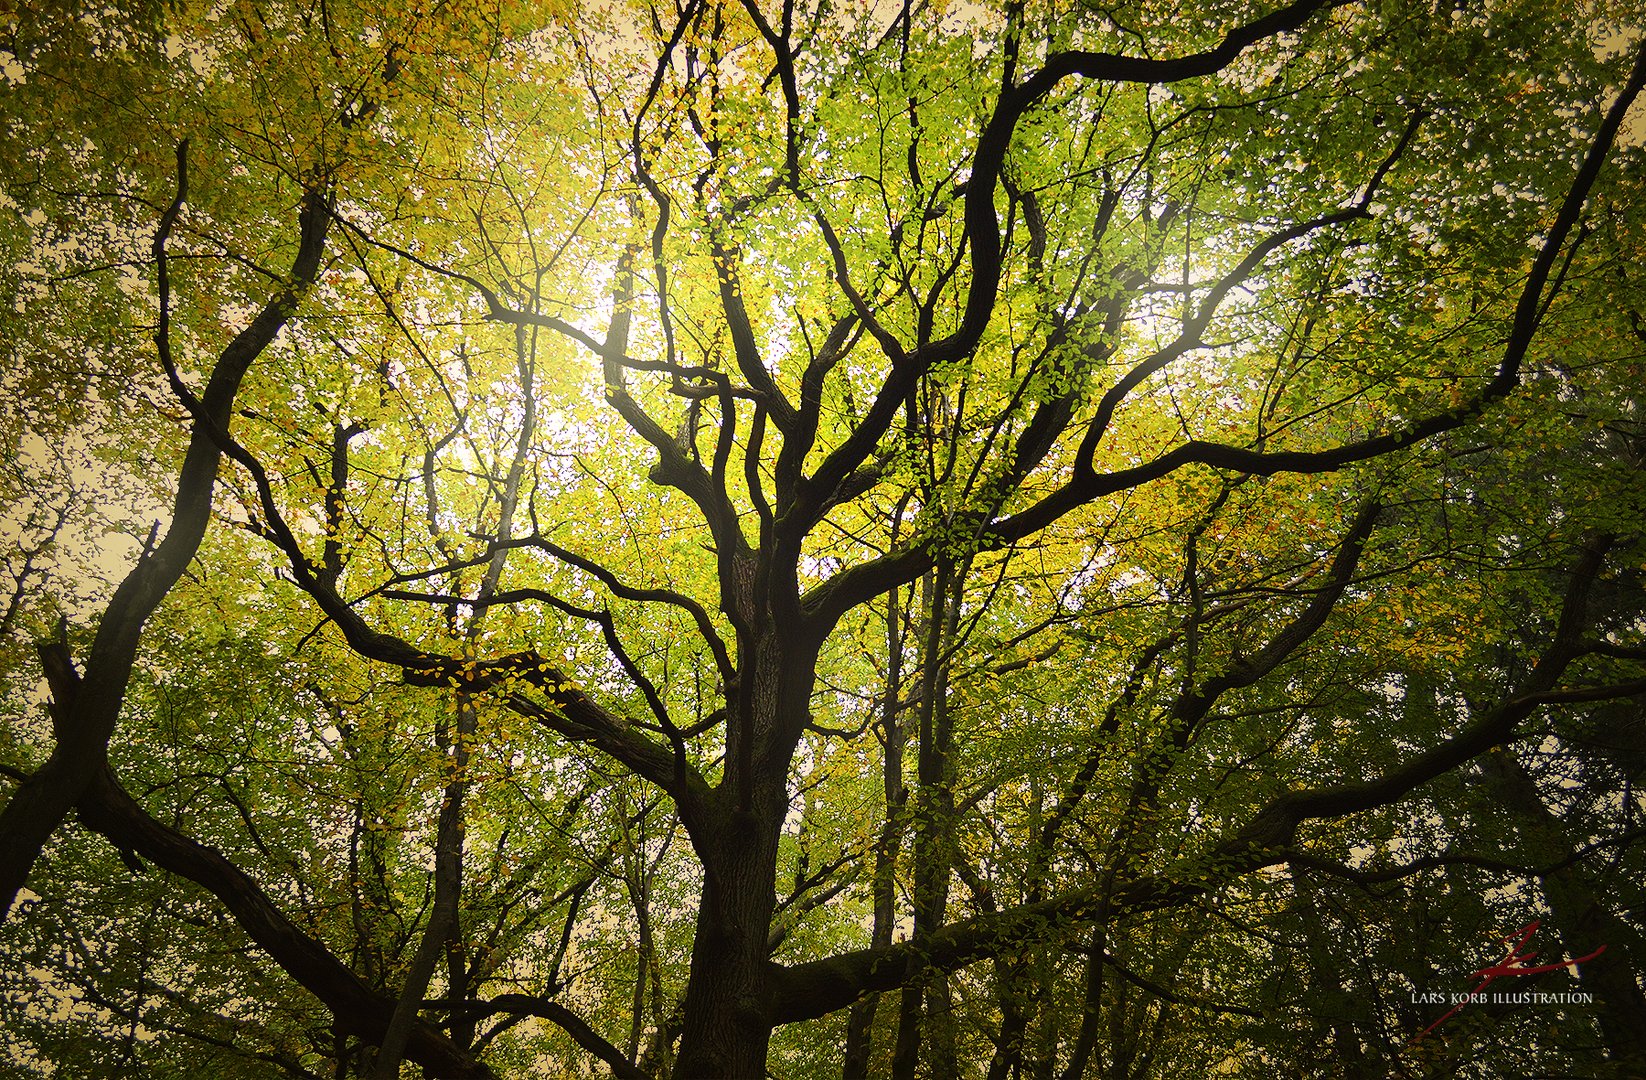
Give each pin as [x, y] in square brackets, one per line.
[741, 539]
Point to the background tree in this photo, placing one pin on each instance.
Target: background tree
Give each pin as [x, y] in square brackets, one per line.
[737, 539]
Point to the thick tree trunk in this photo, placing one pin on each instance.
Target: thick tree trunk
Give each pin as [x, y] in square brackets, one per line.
[728, 1021]
[729, 994]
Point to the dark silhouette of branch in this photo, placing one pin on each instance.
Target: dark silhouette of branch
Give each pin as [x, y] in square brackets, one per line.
[83, 728]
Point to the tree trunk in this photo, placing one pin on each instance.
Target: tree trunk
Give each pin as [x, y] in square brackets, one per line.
[860, 1023]
[925, 1025]
[728, 1025]
[729, 994]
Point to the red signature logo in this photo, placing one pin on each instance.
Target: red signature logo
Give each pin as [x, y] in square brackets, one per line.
[1514, 965]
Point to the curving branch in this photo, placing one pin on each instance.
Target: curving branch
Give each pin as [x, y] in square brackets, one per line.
[1192, 335]
[569, 1022]
[828, 601]
[571, 711]
[1084, 487]
[813, 989]
[107, 809]
[983, 232]
[87, 723]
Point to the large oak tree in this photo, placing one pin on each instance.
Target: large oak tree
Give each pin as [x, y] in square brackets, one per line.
[737, 539]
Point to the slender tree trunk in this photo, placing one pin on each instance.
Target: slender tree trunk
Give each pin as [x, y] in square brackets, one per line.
[860, 1022]
[925, 1007]
[442, 934]
[1091, 1008]
[1336, 1014]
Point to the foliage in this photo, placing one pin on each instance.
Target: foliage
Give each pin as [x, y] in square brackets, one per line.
[953, 540]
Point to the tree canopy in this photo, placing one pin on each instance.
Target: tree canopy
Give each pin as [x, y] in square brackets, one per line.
[736, 539]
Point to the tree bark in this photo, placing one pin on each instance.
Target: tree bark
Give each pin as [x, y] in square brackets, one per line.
[730, 993]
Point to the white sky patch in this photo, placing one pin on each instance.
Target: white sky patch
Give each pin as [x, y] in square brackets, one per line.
[202, 56]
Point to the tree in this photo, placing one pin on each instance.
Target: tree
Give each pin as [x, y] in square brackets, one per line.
[739, 539]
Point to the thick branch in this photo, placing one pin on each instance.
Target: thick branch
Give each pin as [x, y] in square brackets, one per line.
[569, 1022]
[809, 990]
[356, 1008]
[983, 225]
[828, 601]
[41, 802]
